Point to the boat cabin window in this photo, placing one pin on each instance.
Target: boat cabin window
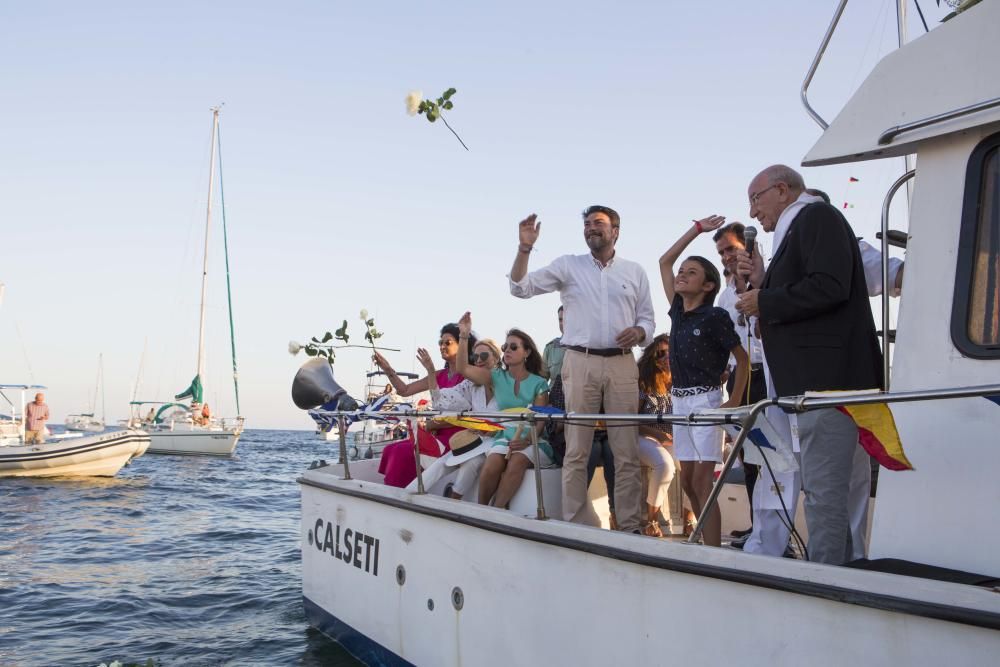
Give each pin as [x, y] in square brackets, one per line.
[975, 322]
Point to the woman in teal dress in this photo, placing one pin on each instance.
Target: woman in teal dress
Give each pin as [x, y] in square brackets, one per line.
[517, 384]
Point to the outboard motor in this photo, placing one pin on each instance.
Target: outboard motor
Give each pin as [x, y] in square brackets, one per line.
[314, 386]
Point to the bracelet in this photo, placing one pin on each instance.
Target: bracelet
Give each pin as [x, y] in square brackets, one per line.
[697, 225]
[461, 337]
[525, 248]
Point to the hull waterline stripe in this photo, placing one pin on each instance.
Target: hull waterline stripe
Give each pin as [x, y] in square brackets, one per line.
[178, 452]
[41, 456]
[357, 644]
[963, 615]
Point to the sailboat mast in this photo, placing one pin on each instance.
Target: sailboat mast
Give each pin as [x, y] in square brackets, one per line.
[100, 377]
[204, 266]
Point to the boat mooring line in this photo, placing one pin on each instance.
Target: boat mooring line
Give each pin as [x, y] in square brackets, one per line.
[963, 615]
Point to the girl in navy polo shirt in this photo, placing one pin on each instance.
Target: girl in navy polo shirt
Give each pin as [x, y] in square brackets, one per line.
[701, 339]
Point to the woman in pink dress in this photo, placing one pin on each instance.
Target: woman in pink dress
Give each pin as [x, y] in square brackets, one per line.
[397, 462]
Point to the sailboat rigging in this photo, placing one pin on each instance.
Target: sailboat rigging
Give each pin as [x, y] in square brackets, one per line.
[177, 428]
[88, 421]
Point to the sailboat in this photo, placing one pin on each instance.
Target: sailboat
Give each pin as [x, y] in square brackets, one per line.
[88, 421]
[190, 428]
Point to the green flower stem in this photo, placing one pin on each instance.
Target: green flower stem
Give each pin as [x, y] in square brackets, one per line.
[340, 347]
[445, 121]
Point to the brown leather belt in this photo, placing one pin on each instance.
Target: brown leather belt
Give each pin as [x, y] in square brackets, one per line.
[598, 352]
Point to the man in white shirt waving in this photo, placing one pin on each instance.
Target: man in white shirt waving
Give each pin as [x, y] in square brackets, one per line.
[608, 311]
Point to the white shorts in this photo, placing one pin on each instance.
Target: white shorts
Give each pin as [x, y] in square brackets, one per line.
[697, 443]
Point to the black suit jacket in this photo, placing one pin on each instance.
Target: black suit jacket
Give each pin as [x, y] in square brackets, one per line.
[815, 318]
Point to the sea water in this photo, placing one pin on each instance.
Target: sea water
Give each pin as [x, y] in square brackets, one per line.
[185, 560]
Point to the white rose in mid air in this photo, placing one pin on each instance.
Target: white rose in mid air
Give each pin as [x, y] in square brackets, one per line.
[413, 100]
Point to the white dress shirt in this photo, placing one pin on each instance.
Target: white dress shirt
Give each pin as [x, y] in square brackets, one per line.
[871, 257]
[600, 302]
[727, 300]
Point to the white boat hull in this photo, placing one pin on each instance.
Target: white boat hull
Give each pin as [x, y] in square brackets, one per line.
[83, 423]
[88, 456]
[194, 442]
[524, 582]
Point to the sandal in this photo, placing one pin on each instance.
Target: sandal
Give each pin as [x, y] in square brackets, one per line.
[689, 526]
[652, 529]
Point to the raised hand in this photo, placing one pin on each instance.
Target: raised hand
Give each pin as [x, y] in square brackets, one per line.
[424, 357]
[465, 324]
[528, 229]
[381, 362]
[711, 223]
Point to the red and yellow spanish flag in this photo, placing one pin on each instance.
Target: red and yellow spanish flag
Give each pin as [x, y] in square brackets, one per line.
[877, 434]
[473, 423]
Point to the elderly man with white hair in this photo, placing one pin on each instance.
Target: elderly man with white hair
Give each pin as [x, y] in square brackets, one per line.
[818, 335]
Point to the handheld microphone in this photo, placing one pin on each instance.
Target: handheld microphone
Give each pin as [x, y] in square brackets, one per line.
[750, 238]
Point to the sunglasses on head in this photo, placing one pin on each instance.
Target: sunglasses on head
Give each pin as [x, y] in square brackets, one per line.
[661, 353]
[513, 347]
[480, 356]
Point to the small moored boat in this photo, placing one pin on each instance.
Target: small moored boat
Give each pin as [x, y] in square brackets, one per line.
[101, 455]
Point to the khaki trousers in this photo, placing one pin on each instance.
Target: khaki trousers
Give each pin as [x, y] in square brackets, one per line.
[34, 437]
[591, 382]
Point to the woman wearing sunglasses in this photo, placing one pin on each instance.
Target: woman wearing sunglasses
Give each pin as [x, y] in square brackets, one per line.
[656, 440]
[516, 384]
[397, 462]
[463, 396]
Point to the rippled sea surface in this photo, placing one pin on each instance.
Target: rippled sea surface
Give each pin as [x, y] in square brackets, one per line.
[185, 560]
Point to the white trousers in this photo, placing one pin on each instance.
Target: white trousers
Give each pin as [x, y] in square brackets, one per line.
[662, 469]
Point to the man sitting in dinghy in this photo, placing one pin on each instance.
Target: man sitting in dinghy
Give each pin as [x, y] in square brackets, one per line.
[517, 384]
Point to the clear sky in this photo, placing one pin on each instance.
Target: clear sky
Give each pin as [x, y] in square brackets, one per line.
[336, 200]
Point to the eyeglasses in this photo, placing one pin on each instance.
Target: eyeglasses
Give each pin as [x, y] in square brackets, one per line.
[447, 342]
[513, 347]
[478, 357]
[662, 353]
[756, 196]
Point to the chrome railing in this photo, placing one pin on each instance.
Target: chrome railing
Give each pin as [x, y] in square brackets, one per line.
[744, 416]
[886, 287]
[890, 134]
[815, 64]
